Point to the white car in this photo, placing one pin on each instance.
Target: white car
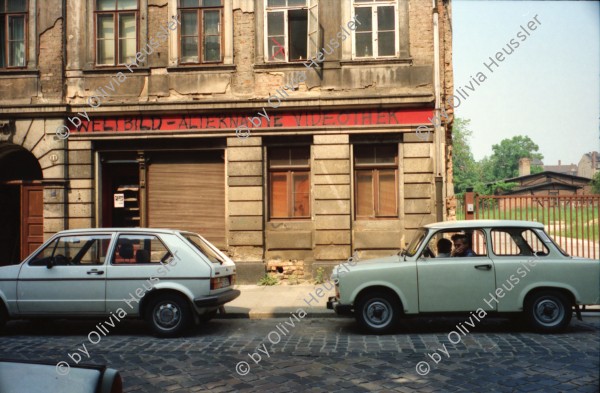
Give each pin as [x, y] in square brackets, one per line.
[477, 268]
[170, 278]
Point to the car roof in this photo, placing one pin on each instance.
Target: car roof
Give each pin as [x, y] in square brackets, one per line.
[130, 230]
[484, 223]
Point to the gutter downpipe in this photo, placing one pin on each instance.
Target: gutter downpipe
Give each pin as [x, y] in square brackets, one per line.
[437, 123]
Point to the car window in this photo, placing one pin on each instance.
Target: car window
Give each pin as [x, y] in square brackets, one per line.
[517, 241]
[443, 244]
[416, 242]
[534, 242]
[134, 248]
[74, 250]
[200, 244]
[548, 240]
[504, 244]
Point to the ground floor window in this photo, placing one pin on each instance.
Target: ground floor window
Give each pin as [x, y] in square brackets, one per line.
[289, 182]
[376, 180]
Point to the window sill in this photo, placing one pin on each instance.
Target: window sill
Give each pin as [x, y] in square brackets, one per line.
[375, 218]
[203, 67]
[381, 61]
[281, 66]
[115, 70]
[289, 219]
[20, 72]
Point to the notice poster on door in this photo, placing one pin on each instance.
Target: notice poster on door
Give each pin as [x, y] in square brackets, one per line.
[119, 200]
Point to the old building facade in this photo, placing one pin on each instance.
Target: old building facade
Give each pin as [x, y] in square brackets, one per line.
[291, 133]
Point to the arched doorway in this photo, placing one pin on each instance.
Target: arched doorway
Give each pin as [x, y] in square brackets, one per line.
[21, 203]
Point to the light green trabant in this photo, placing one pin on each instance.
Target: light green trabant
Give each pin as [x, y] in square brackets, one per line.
[476, 268]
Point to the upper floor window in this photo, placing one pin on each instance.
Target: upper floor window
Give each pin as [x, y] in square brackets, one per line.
[13, 30]
[116, 31]
[377, 34]
[291, 27]
[201, 32]
[376, 180]
[289, 182]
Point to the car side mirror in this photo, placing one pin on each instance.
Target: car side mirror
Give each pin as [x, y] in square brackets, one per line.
[50, 263]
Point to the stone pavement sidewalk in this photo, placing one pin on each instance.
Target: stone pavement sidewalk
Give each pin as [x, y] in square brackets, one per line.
[277, 301]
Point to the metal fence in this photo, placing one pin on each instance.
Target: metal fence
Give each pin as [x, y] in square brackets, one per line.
[572, 221]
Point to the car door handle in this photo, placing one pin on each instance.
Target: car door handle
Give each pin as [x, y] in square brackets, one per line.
[94, 271]
[483, 267]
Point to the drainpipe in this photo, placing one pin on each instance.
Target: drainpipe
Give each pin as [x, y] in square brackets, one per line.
[65, 141]
[439, 146]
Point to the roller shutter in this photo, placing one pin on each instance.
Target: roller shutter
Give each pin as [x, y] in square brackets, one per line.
[187, 191]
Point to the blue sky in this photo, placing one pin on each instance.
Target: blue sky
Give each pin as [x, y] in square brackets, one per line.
[547, 89]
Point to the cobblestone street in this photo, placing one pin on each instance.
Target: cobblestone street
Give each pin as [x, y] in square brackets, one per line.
[324, 355]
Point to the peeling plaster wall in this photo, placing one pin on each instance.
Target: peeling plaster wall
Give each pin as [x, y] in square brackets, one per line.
[249, 78]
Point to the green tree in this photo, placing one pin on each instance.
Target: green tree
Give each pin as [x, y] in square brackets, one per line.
[596, 183]
[465, 168]
[504, 161]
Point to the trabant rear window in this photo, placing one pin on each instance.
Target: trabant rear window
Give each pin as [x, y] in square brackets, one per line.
[202, 245]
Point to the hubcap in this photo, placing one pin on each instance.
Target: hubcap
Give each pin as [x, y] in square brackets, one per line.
[549, 312]
[167, 315]
[377, 313]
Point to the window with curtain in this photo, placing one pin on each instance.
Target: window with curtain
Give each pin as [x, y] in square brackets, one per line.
[376, 180]
[200, 40]
[13, 32]
[377, 34]
[116, 31]
[289, 182]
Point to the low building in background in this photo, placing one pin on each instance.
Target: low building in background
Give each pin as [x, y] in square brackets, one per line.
[589, 164]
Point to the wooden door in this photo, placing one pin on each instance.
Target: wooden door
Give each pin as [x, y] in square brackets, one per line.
[32, 218]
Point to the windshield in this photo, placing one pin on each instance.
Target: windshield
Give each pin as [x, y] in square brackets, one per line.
[416, 242]
[204, 247]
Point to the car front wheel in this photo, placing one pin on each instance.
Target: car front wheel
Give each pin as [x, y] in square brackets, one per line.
[168, 315]
[548, 311]
[377, 312]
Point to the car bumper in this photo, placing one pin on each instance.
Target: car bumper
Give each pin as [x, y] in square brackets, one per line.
[340, 309]
[217, 300]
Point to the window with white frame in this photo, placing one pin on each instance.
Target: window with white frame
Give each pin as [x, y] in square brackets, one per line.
[116, 31]
[291, 30]
[377, 34]
[201, 38]
[13, 30]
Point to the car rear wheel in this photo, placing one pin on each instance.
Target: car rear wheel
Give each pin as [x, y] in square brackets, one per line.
[168, 315]
[548, 311]
[377, 312]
